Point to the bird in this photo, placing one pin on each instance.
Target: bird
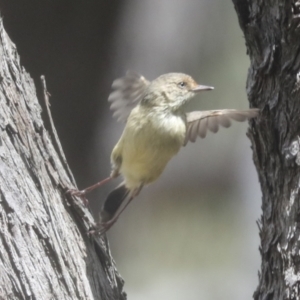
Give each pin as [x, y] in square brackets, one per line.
[156, 128]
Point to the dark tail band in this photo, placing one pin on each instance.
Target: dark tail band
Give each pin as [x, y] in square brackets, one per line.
[113, 202]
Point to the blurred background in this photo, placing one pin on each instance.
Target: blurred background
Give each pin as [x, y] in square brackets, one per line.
[193, 234]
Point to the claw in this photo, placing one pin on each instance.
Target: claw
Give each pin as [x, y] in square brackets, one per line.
[80, 194]
[103, 227]
[75, 192]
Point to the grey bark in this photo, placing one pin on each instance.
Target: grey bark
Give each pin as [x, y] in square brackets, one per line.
[272, 34]
[45, 252]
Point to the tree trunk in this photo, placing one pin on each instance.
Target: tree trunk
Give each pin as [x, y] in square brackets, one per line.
[272, 34]
[45, 252]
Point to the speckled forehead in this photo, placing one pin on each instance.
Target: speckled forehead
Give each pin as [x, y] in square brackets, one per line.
[175, 78]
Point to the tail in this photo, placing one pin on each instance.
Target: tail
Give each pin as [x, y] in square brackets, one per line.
[113, 202]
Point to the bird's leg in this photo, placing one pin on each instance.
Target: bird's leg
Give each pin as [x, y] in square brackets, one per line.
[94, 186]
[79, 193]
[82, 193]
[104, 227]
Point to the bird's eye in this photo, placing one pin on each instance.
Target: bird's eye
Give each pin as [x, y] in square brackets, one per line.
[182, 84]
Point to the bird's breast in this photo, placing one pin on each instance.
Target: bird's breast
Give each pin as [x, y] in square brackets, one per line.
[148, 143]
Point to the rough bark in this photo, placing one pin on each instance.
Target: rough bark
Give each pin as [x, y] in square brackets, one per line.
[272, 34]
[45, 252]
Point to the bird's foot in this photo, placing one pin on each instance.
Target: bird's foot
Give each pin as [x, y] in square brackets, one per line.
[102, 227]
[81, 194]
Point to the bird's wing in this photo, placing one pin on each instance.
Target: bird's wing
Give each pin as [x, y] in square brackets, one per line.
[198, 122]
[128, 92]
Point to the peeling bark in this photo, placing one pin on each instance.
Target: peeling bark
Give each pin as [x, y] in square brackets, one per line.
[272, 34]
[45, 252]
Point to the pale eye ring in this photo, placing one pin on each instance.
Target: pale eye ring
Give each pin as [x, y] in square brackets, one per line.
[182, 84]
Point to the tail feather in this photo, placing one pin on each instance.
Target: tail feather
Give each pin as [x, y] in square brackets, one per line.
[113, 202]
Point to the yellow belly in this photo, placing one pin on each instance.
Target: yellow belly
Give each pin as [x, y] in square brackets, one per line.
[146, 150]
[145, 163]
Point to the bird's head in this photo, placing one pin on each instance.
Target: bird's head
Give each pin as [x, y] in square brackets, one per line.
[173, 90]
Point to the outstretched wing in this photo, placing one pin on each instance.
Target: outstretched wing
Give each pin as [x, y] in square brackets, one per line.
[128, 92]
[198, 122]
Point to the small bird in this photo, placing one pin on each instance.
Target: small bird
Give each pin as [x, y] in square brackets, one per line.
[156, 128]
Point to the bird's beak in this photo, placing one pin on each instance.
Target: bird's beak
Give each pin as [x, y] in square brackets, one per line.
[199, 88]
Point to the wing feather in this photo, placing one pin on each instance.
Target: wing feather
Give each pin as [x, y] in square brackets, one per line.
[213, 124]
[224, 121]
[199, 122]
[194, 132]
[202, 127]
[128, 92]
